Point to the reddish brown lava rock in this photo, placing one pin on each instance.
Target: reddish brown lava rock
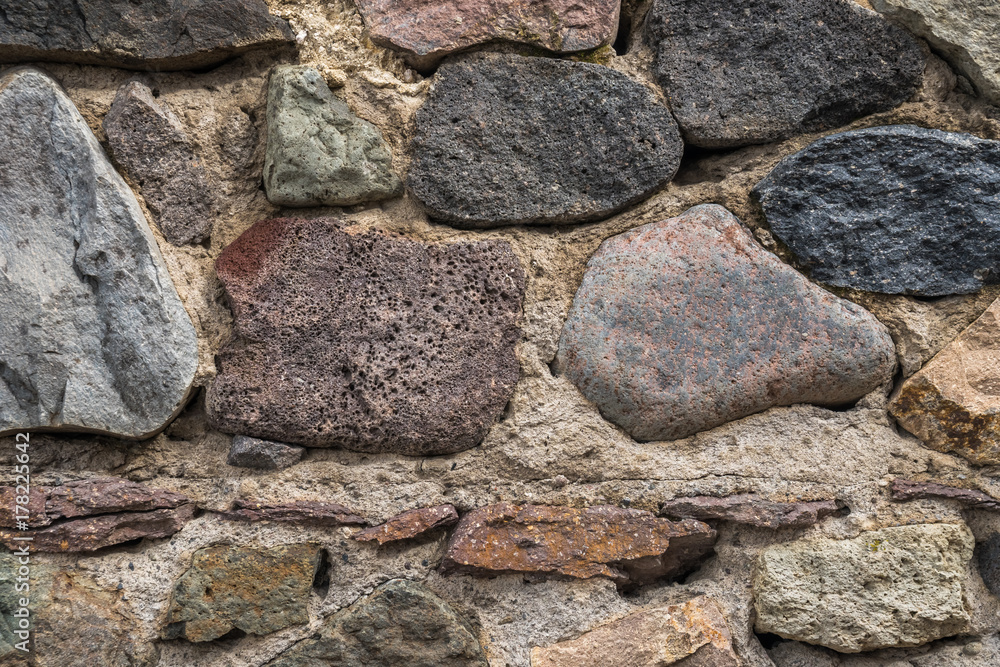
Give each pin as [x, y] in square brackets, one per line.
[629, 546]
[304, 512]
[35, 507]
[750, 509]
[410, 524]
[96, 532]
[905, 489]
[364, 340]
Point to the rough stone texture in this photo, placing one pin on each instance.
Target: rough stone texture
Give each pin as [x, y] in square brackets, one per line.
[650, 638]
[904, 490]
[763, 70]
[94, 336]
[149, 141]
[257, 591]
[966, 32]
[897, 209]
[424, 33]
[318, 152]
[750, 509]
[304, 512]
[410, 524]
[366, 341]
[683, 325]
[401, 623]
[901, 586]
[505, 140]
[988, 559]
[628, 546]
[176, 34]
[249, 452]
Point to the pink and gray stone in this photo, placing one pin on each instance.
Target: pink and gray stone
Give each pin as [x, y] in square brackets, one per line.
[248, 452]
[686, 324]
[750, 509]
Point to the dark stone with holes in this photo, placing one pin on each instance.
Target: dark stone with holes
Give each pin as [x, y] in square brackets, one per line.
[364, 340]
[896, 209]
[249, 452]
[988, 554]
[505, 140]
[163, 35]
[752, 72]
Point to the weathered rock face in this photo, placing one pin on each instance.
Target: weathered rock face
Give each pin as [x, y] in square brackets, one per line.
[904, 490]
[682, 325]
[150, 142]
[366, 341]
[257, 591]
[901, 586]
[953, 403]
[506, 140]
[318, 152]
[988, 557]
[302, 512]
[93, 335]
[629, 546]
[401, 623]
[179, 34]
[263, 454]
[751, 510]
[424, 33]
[896, 209]
[759, 71]
[410, 524]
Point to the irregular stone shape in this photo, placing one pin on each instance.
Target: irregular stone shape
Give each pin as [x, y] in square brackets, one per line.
[762, 70]
[953, 403]
[94, 336]
[967, 33]
[424, 33]
[626, 545]
[902, 586]
[258, 591]
[151, 144]
[304, 512]
[650, 638]
[896, 209]
[263, 454]
[401, 623]
[686, 324]
[507, 140]
[904, 489]
[366, 341]
[750, 509]
[988, 556]
[172, 35]
[318, 152]
[34, 508]
[410, 524]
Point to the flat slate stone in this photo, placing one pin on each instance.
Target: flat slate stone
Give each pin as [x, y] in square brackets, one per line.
[164, 35]
[149, 141]
[93, 335]
[752, 72]
[410, 524]
[299, 512]
[750, 509]
[260, 454]
[683, 325]
[426, 32]
[364, 340]
[896, 209]
[903, 490]
[506, 140]
[318, 152]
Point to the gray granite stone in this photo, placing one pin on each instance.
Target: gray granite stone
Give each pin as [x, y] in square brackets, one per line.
[249, 452]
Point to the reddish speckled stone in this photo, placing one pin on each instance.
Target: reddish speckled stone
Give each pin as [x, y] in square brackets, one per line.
[410, 524]
[304, 512]
[750, 509]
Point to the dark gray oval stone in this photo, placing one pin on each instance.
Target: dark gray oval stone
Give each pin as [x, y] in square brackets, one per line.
[896, 210]
[507, 140]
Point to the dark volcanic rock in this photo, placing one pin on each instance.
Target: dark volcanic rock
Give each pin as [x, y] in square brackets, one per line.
[96, 532]
[897, 209]
[304, 512]
[506, 140]
[752, 72]
[366, 341]
[750, 509]
[904, 489]
[163, 35]
[249, 452]
[410, 524]
[988, 555]
[686, 324]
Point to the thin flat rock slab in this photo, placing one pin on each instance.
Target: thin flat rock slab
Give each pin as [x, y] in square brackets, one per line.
[300, 512]
[902, 490]
[752, 510]
[686, 324]
[508, 140]
[409, 524]
[757, 71]
[97, 532]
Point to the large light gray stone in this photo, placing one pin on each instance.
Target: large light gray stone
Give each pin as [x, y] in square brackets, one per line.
[93, 336]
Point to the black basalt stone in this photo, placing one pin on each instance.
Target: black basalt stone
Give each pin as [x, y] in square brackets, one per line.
[896, 209]
[988, 555]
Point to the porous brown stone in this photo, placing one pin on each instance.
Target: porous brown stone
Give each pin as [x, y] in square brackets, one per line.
[302, 512]
[364, 340]
[410, 524]
[905, 489]
[750, 509]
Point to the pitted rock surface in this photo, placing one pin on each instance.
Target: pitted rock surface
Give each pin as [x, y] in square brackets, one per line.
[318, 152]
[409, 524]
[366, 341]
[249, 452]
[901, 586]
[505, 140]
[93, 335]
[751, 510]
[758, 71]
[897, 209]
[626, 545]
[150, 142]
[164, 35]
[683, 325]
[426, 32]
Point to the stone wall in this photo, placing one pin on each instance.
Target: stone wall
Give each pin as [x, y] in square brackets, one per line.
[383, 332]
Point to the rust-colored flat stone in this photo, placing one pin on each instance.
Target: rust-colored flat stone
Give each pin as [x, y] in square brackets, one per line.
[905, 489]
[36, 516]
[305, 512]
[410, 524]
[97, 532]
[750, 509]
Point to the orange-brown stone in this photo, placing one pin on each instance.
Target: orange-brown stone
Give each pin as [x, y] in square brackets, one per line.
[410, 524]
